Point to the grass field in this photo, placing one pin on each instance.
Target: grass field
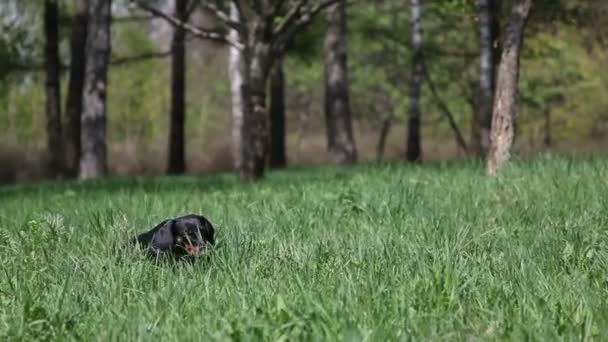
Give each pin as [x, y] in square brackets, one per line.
[373, 252]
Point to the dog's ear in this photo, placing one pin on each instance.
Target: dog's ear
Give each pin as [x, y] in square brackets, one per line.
[178, 228]
[206, 230]
[163, 236]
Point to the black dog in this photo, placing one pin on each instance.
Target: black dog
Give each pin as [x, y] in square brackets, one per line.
[186, 236]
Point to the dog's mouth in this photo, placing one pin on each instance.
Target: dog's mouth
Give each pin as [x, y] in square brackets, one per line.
[193, 250]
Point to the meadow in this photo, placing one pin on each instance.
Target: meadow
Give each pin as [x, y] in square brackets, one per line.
[374, 252]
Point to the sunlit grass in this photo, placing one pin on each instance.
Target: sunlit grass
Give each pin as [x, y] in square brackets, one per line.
[374, 252]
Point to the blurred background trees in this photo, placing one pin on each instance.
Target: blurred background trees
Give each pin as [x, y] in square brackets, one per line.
[155, 126]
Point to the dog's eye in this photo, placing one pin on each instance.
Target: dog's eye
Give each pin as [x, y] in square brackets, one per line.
[179, 239]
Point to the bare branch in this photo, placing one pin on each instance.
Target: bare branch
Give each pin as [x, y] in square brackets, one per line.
[196, 31]
[290, 17]
[138, 58]
[191, 8]
[220, 14]
[300, 16]
[308, 15]
[276, 8]
[445, 110]
[39, 66]
[239, 10]
[255, 6]
[135, 18]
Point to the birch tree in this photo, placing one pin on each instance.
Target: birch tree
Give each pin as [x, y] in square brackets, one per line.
[340, 139]
[93, 162]
[263, 30]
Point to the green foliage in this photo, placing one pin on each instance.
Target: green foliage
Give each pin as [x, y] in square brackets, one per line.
[553, 69]
[307, 45]
[564, 57]
[20, 35]
[373, 252]
[22, 116]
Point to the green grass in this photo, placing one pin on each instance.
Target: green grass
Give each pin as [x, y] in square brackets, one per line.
[374, 252]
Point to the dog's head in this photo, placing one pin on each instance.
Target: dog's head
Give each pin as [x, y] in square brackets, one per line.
[192, 235]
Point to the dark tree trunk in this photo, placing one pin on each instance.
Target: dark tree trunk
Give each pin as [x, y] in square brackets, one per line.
[414, 148]
[495, 15]
[504, 114]
[387, 123]
[482, 120]
[254, 147]
[93, 162]
[278, 157]
[547, 140]
[73, 113]
[176, 159]
[53, 95]
[340, 138]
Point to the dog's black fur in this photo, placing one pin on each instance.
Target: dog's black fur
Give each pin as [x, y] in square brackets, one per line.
[184, 237]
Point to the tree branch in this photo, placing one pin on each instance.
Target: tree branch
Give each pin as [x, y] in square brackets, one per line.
[191, 8]
[276, 8]
[38, 67]
[196, 31]
[135, 18]
[239, 10]
[290, 17]
[138, 58]
[445, 110]
[220, 14]
[254, 5]
[307, 16]
[434, 50]
[296, 19]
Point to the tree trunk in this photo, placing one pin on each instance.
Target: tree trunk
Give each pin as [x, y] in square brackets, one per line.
[482, 120]
[504, 114]
[340, 138]
[255, 141]
[73, 106]
[258, 60]
[547, 140]
[93, 162]
[278, 157]
[176, 159]
[235, 74]
[387, 123]
[414, 136]
[53, 95]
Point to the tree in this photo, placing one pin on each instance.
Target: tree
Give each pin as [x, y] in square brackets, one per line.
[504, 113]
[93, 162]
[278, 156]
[413, 138]
[53, 94]
[263, 30]
[489, 51]
[340, 141]
[176, 160]
[235, 75]
[73, 108]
